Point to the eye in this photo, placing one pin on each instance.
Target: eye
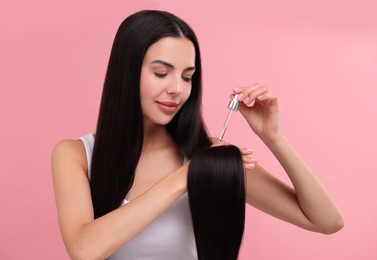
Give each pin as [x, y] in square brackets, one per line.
[160, 75]
[187, 79]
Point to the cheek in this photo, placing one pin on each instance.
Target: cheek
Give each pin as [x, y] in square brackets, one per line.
[147, 84]
[186, 94]
[143, 82]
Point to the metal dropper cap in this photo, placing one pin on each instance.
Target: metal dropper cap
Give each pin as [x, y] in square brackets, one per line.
[233, 104]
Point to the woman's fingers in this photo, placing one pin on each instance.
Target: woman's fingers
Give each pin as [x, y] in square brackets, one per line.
[246, 154]
[248, 161]
[246, 151]
[219, 143]
[248, 95]
[267, 96]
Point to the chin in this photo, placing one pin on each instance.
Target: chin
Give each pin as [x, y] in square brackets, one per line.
[160, 118]
[164, 122]
[161, 121]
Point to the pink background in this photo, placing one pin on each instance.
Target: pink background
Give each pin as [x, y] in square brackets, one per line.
[320, 58]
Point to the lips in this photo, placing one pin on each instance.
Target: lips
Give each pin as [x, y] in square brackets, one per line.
[168, 107]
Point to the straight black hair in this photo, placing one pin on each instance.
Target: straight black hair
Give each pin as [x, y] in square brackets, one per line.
[216, 192]
[119, 133]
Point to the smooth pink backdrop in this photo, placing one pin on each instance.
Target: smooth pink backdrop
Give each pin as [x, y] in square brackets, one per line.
[320, 57]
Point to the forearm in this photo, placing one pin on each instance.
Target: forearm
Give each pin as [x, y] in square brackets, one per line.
[103, 236]
[313, 199]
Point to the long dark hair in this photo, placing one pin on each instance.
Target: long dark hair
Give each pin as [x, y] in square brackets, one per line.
[119, 133]
[216, 192]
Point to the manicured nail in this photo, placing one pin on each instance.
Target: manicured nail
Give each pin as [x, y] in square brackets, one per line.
[252, 165]
[260, 97]
[240, 96]
[246, 100]
[249, 150]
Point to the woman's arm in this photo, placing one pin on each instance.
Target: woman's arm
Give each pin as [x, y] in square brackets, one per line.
[308, 205]
[89, 238]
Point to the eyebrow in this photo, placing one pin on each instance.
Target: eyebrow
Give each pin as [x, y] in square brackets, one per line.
[166, 64]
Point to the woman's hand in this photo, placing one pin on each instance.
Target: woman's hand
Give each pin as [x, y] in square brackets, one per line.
[260, 109]
[248, 161]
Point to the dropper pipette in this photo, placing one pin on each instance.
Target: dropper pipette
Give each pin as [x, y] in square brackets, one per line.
[232, 106]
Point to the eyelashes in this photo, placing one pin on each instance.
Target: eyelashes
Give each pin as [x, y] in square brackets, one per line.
[186, 79]
[162, 75]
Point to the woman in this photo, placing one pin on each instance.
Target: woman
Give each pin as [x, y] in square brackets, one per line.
[127, 198]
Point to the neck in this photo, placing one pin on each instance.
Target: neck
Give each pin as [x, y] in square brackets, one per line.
[156, 137]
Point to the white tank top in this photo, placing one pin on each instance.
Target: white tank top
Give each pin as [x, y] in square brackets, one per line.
[169, 237]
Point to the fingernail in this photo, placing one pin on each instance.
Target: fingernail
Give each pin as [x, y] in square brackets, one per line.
[240, 96]
[252, 165]
[260, 97]
[246, 100]
[249, 150]
[254, 161]
[236, 90]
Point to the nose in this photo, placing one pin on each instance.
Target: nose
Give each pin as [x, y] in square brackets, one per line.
[175, 87]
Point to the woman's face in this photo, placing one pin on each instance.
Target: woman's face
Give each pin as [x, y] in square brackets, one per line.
[165, 81]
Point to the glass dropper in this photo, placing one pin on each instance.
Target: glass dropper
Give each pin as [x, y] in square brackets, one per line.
[232, 106]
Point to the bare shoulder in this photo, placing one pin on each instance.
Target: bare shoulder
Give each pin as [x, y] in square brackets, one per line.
[69, 151]
[71, 185]
[70, 146]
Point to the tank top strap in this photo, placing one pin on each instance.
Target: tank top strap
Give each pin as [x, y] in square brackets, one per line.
[88, 141]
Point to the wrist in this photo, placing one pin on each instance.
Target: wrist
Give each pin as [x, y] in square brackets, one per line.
[274, 140]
